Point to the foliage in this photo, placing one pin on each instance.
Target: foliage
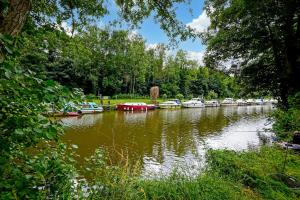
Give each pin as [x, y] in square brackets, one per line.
[73, 16]
[113, 63]
[287, 121]
[124, 182]
[212, 95]
[24, 97]
[179, 96]
[260, 38]
[47, 173]
[256, 170]
[229, 174]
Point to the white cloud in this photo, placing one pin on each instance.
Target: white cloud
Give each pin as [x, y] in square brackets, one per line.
[201, 23]
[67, 29]
[196, 56]
[151, 46]
[133, 34]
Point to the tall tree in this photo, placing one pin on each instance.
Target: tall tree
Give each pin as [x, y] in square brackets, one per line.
[263, 37]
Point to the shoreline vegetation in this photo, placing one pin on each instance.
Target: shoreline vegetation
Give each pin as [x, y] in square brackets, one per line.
[256, 174]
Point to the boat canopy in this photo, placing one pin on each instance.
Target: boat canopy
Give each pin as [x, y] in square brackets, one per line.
[135, 104]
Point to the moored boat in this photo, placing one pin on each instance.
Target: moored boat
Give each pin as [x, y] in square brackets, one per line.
[259, 102]
[250, 101]
[228, 102]
[174, 103]
[241, 102]
[90, 107]
[194, 103]
[273, 101]
[212, 103]
[135, 106]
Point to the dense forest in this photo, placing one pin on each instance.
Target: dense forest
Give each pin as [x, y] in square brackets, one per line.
[112, 62]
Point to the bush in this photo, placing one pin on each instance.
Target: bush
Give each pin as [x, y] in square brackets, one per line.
[91, 97]
[190, 96]
[287, 121]
[164, 96]
[179, 96]
[256, 170]
[212, 95]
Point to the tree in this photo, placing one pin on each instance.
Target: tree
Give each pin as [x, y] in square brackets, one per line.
[263, 37]
[14, 14]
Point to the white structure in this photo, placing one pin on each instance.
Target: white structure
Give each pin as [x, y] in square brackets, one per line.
[90, 107]
[193, 103]
[212, 103]
[228, 102]
[241, 102]
[174, 103]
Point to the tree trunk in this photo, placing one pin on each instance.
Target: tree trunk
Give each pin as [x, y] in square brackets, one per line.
[12, 23]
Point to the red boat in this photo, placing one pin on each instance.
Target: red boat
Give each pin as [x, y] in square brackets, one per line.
[135, 107]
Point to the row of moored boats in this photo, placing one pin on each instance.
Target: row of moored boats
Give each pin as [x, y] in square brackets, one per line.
[193, 103]
[70, 109]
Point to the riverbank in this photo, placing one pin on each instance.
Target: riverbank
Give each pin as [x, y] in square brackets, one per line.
[114, 102]
[256, 174]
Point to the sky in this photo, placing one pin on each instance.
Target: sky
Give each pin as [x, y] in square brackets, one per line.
[153, 35]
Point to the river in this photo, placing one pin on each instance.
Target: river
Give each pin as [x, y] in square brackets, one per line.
[163, 140]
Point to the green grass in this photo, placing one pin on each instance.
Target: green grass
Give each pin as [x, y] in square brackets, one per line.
[119, 101]
[230, 175]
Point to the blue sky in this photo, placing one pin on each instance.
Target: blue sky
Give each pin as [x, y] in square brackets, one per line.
[153, 34]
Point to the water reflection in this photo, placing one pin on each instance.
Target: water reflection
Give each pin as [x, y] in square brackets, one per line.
[163, 139]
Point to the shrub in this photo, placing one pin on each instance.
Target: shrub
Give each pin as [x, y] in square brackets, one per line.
[179, 96]
[190, 96]
[287, 121]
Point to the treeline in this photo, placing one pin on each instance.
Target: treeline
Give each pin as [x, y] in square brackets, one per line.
[118, 62]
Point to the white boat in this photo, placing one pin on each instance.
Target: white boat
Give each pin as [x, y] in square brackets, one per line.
[250, 101]
[174, 103]
[259, 102]
[193, 103]
[273, 101]
[212, 103]
[90, 107]
[228, 102]
[241, 102]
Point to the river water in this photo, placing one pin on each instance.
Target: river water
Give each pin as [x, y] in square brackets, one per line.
[163, 140]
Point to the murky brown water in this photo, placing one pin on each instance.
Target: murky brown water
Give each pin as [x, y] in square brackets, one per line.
[164, 139]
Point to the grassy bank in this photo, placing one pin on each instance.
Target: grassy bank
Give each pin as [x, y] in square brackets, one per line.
[230, 175]
[119, 101]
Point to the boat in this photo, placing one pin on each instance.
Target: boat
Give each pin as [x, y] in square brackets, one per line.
[212, 103]
[259, 102]
[228, 102]
[250, 101]
[173, 103]
[273, 101]
[241, 102]
[90, 107]
[194, 103]
[135, 106]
